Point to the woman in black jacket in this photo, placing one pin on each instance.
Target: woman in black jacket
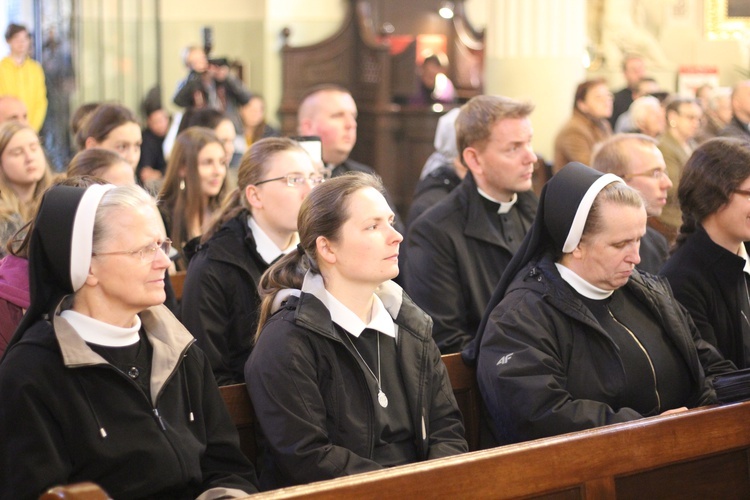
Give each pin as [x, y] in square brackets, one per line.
[345, 376]
[575, 337]
[257, 225]
[100, 382]
[709, 268]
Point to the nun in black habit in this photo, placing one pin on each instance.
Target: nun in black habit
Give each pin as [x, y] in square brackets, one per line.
[574, 336]
[100, 381]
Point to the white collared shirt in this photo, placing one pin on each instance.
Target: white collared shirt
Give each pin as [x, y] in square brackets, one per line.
[98, 332]
[380, 319]
[580, 285]
[505, 206]
[265, 245]
[743, 253]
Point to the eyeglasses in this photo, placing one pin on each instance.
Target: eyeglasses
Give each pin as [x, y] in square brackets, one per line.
[296, 180]
[654, 173]
[145, 254]
[690, 116]
[743, 192]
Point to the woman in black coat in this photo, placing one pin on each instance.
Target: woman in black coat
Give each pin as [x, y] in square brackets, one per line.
[709, 268]
[575, 337]
[257, 225]
[345, 376]
[101, 382]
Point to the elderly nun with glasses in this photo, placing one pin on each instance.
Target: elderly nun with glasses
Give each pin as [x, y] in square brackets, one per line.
[574, 336]
[100, 382]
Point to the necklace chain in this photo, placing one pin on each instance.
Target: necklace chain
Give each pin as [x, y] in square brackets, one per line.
[382, 399]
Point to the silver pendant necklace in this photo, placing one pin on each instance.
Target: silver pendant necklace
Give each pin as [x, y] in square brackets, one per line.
[382, 398]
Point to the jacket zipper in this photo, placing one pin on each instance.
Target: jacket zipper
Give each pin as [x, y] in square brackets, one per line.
[650, 362]
[154, 410]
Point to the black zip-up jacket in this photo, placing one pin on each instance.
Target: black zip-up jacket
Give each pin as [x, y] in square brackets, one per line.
[709, 281]
[67, 416]
[547, 367]
[313, 404]
[220, 298]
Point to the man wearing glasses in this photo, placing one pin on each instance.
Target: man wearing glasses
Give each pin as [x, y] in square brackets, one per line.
[637, 159]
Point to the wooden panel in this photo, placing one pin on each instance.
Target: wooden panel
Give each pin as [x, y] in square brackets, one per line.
[77, 491]
[178, 283]
[567, 463]
[240, 409]
[395, 141]
[723, 476]
[464, 384]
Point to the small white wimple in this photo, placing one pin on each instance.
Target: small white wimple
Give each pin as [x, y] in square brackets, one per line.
[82, 239]
[582, 213]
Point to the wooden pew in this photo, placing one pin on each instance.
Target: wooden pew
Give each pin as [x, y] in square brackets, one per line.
[465, 389]
[703, 453]
[77, 491]
[178, 282]
[241, 410]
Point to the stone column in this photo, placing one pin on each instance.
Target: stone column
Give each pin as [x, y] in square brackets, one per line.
[534, 51]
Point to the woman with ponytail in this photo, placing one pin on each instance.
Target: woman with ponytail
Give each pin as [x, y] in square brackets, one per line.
[257, 224]
[709, 268]
[345, 376]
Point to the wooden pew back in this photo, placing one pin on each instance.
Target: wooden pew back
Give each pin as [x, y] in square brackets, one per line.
[77, 491]
[703, 453]
[241, 410]
[465, 389]
[178, 283]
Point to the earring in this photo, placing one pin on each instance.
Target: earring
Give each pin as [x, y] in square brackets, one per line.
[671, 124]
[182, 184]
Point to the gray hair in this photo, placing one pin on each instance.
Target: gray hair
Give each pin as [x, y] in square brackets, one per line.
[641, 107]
[121, 197]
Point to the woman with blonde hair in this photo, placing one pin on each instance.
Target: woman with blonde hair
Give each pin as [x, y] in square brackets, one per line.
[345, 376]
[257, 225]
[193, 188]
[24, 175]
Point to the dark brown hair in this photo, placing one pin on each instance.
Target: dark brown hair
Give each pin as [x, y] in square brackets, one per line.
[185, 203]
[323, 213]
[584, 88]
[101, 121]
[13, 29]
[710, 175]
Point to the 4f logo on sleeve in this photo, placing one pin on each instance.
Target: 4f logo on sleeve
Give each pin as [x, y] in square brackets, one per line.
[504, 359]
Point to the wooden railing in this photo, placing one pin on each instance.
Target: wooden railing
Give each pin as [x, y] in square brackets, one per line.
[702, 453]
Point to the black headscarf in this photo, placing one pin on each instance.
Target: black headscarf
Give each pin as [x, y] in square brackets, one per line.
[560, 218]
[59, 249]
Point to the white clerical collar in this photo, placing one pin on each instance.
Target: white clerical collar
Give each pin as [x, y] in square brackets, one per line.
[98, 332]
[580, 285]
[743, 253]
[380, 320]
[265, 246]
[505, 206]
